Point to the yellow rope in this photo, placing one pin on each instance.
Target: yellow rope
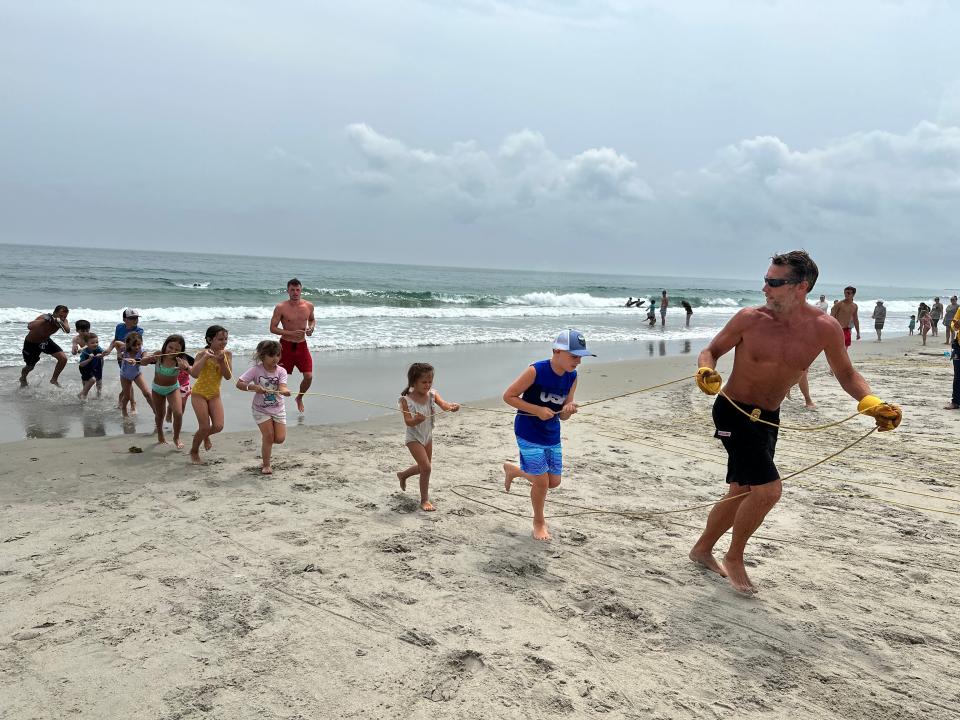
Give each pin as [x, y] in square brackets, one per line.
[757, 418]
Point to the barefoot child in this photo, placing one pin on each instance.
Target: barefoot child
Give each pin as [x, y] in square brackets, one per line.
[213, 364]
[130, 373]
[170, 362]
[543, 396]
[91, 364]
[416, 402]
[269, 381]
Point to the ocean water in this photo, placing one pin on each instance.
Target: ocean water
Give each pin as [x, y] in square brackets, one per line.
[373, 306]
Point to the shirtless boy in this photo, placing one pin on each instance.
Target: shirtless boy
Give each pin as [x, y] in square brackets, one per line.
[774, 344]
[845, 312]
[293, 321]
[39, 332]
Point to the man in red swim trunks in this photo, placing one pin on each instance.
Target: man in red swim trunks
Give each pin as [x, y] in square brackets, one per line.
[845, 313]
[293, 320]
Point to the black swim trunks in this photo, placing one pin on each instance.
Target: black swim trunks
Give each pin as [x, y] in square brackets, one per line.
[750, 445]
[31, 351]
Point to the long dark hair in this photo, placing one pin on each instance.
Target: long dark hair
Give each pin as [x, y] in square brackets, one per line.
[414, 373]
[174, 338]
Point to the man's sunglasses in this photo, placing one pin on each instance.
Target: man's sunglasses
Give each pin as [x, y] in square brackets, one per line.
[780, 282]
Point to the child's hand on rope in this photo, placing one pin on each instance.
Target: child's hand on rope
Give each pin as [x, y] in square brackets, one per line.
[544, 413]
[887, 415]
[709, 380]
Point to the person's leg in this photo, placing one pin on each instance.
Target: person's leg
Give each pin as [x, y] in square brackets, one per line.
[422, 454]
[61, 358]
[536, 471]
[27, 369]
[141, 383]
[216, 419]
[304, 386]
[202, 410]
[99, 386]
[720, 519]
[805, 390]
[933, 326]
[175, 408]
[87, 384]
[955, 397]
[159, 408]
[126, 396]
[750, 515]
[266, 445]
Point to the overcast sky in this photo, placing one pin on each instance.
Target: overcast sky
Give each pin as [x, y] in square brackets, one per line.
[683, 138]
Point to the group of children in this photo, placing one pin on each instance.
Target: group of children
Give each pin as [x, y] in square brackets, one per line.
[543, 395]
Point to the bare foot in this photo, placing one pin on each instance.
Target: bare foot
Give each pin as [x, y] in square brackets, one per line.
[266, 470]
[403, 481]
[427, 506]
[54, 382]
[124, 413]
[178, 444]
[300, 404]
[510, 472]
[195, 458]
[23, 381]
[737, 575]
[207, 445]
[161, 440]
[81, 397]
[707, 560]
[810, 405]
[951, 406]
[540, 532]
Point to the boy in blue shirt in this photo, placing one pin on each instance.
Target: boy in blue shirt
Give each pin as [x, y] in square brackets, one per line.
[543, 396]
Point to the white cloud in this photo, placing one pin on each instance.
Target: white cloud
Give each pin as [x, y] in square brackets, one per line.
[522, 172]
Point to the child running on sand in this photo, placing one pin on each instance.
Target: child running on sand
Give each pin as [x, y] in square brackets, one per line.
[170, 362]
[543, 396]
[416, 401]
[213, 364]
[269, 381]
[183, 380]
[91, 364]
[912, 324]
[131, 375]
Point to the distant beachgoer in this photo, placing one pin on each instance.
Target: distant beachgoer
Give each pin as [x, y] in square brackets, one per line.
[417, 403]
[213, 364]
[664, 302]
[912, 324]
[774, 344]
[91, 365]
[652, 312]
[38, 340]
[269, 381]
[822, 304]
[630, 302]
[688, 309]
[925, 323]
[166, 395]
[948, 314]
[131, 374]
[936, 312]
[954, 325]
[293, 321]
[845, 312]
[543, 396]
[80, 339]
[879, 317]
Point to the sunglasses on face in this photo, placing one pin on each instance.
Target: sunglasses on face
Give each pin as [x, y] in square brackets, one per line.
[779, 282]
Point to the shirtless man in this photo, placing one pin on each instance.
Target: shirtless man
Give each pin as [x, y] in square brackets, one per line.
[845, 312]
[293, 321]
[38, 341]
[774, 345]
[664, 302]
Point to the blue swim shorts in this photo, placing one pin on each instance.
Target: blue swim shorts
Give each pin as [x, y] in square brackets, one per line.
[539, 459]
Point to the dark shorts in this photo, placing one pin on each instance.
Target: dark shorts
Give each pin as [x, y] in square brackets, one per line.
[295, 355]
[750, 445]
[31, 351]
[92, 370]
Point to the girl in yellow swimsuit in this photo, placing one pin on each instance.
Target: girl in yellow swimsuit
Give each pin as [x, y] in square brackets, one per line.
[212, 364]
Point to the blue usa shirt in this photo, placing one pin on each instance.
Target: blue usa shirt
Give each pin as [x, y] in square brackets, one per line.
[548, 390]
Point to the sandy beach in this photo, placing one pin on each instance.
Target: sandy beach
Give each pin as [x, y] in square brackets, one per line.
[136, 585]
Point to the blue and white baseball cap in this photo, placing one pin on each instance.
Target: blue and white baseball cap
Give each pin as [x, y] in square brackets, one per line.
[573, 342]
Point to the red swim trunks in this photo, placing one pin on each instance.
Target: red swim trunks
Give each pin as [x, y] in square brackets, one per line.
[295, 355]
[846, 337]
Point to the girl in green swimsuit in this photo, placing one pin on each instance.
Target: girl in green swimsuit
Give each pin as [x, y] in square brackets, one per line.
[169, 361]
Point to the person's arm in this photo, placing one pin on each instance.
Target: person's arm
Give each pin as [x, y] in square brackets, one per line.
[444, 405]
[839, 361]
[86, 362]
[570, 406]
[410, 419]
[226, 364]
[512, 396]
[199, 362]
[725, 340]
[245, 382]
[149, 358]
[311, 321]
[856, 320]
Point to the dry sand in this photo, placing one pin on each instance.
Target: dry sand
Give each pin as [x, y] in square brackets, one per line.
[134, 585]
